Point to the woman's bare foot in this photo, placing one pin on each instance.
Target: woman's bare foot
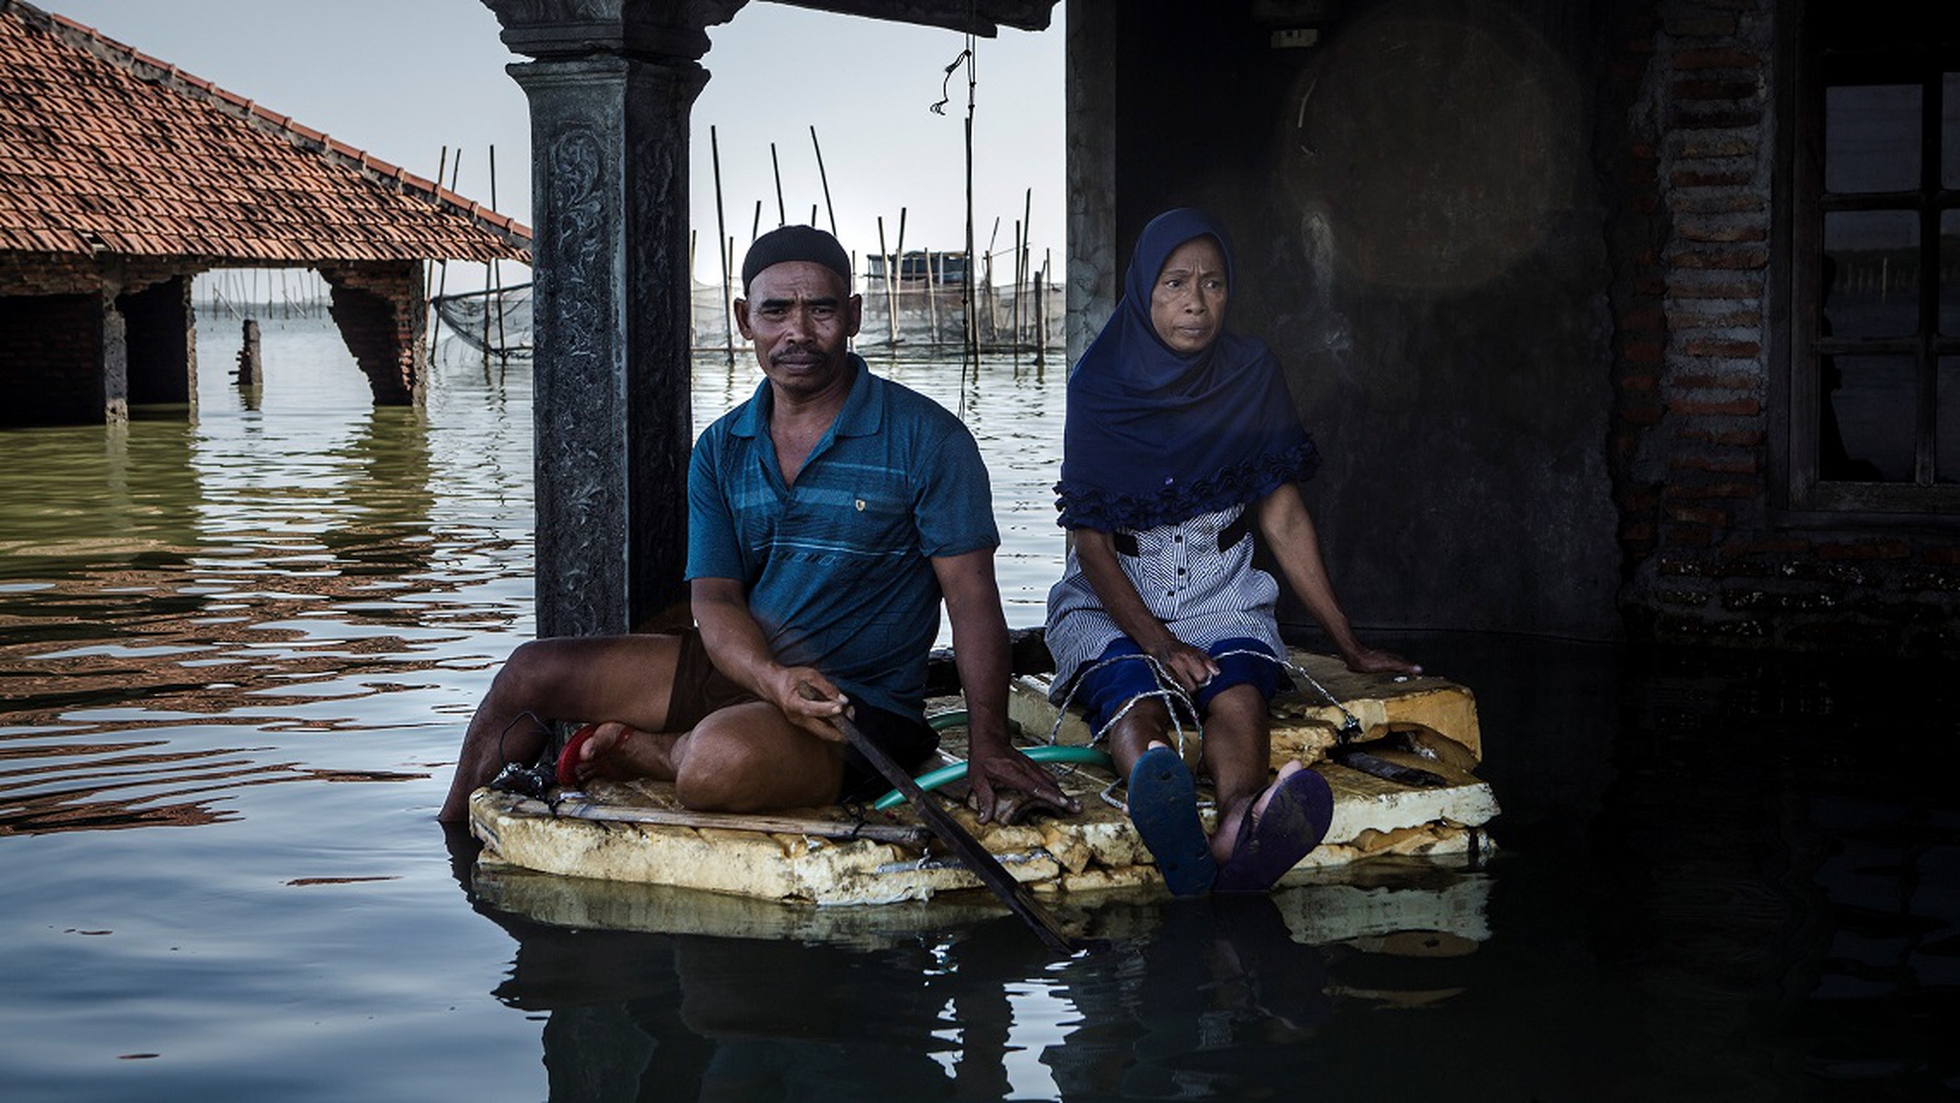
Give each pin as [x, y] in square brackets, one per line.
[1227, 835]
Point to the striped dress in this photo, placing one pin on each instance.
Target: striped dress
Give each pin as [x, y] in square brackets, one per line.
[1203, 593]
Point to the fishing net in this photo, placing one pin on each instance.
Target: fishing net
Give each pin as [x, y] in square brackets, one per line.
[496, 321]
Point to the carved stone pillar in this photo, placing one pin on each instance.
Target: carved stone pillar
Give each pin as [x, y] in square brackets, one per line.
[610, 96]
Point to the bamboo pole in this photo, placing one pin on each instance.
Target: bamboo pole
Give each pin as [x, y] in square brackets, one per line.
[429, 269]
[782, 216]
[755, 227]
[493, 276]
[828, 209]
[1047, 270]
[972, 304]
[891, 306]
[727, 252]
[932, 302]
[1026, 264]
[898, 292]
[1014, 313]
[987, 282]
[442, 275]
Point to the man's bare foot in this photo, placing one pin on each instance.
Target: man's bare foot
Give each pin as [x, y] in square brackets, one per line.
[616, 751]
[1227, 835]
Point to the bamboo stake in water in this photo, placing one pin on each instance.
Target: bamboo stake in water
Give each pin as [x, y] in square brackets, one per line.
[1014, 313]
[899, 288]
[828, 209]
[782, 217]
[429, 270]
[891, 307]
[932, 301]
[727, 251]
[987, 282]
[492, 301]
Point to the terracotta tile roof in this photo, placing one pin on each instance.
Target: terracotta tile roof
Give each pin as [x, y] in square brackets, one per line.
[103, 148]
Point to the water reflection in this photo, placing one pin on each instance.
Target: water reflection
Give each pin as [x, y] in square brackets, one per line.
[656, 993]
[1719, 876]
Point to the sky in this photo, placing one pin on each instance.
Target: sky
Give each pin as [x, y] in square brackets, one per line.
[403, 79]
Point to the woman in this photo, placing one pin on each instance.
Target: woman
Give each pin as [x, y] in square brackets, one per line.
[1180, 438]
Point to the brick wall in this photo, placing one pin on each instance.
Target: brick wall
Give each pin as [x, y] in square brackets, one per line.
[51, 359]
[383, 316]
[1706, 558]
[162, 341]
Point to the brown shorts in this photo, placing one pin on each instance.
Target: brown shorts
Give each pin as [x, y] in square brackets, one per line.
[700, 689]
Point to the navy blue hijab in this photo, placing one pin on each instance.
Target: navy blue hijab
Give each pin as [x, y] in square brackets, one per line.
[1152, 436]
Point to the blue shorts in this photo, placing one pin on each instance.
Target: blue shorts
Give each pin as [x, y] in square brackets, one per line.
[1104, 690]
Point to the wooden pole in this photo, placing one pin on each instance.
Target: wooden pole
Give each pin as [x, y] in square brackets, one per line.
[1041, 341]
[782, 217]
[755, 227]
[972, 303]
[1028, 259]
[898, 291]
[442, 276]
[429, 270]
[493, 277]
[891, 306]
[727, 246]
[828, 209]
[932, 301]
[987, 282]
[1014, 310]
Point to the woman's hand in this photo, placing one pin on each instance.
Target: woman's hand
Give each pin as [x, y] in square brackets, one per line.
[1190, 667]
[1367, 660]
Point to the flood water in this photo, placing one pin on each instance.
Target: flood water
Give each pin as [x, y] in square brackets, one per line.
[236, 654]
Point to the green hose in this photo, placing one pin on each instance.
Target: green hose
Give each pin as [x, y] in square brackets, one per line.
[1086, 756]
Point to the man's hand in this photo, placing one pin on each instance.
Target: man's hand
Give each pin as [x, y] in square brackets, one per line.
[991, 769]
[809, 699]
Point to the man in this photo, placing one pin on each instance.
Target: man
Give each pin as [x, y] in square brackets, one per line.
[827, 517]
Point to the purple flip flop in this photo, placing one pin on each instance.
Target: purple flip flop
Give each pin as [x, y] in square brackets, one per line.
[1294, 822]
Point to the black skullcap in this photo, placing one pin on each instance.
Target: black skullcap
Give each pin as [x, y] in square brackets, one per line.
[789, 243]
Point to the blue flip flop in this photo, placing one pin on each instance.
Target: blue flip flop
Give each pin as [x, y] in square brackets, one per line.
[1163, 803]
[1294, 822]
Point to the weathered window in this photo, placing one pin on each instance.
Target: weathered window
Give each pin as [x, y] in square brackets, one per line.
[1874, 389]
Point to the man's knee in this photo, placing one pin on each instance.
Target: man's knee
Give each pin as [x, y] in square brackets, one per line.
[532, 673]
[727, 769]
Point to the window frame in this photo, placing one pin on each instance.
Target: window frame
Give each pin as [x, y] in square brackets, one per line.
[1798, 212]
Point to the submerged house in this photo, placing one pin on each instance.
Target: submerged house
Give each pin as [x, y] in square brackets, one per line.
[1630, 317]
[1618, 319]
[122, 177]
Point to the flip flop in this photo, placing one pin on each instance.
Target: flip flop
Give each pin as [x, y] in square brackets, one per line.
[1163, 804]
[1294, 822]
[568, 758]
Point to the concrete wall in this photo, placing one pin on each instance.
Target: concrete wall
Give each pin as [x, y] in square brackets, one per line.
[1434, 279]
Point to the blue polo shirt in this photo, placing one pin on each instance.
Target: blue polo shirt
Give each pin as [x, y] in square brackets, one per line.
[837, 567]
